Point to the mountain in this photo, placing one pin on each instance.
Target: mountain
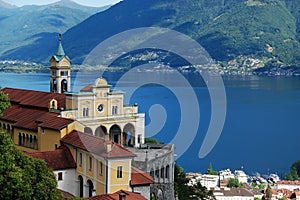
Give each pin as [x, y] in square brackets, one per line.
[225, 28]
[24, 26]
[5, 5]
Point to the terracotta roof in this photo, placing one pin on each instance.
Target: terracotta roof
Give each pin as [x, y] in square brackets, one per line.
[87, 88]
[139, 177]
[96, 145]
[31, 98]
[30, 118]
[234, 192]
[58, 159]
[65, 194]
[115, 196]
[285, 182]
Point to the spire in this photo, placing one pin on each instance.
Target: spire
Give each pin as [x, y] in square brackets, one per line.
[60, 49]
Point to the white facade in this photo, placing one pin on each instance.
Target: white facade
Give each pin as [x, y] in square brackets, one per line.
[289, 185]
[226, 174]
[143, 190]
[66, 180]
[241, 176]
[209, 181]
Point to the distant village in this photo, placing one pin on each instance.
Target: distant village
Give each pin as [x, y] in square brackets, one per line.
[248, 188]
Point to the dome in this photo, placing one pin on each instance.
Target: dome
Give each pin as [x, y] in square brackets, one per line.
[100, 82]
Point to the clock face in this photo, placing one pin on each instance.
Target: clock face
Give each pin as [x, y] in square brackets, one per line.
[100, 107]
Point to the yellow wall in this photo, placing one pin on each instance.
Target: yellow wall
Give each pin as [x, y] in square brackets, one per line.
[119, 183]
[48, 139]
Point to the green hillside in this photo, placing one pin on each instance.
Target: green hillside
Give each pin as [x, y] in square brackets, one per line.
[22, 26]
[227, 29]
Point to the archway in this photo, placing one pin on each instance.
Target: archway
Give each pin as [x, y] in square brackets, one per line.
[115, 132]
[88, 130]
[91, 187]
[101, 131]
[129, 134]
[80, 179]
[64, 86]
[160, 195]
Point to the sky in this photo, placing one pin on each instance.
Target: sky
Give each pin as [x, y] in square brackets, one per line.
[93, 3]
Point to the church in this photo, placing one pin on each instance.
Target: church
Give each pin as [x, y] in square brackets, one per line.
[91, 134]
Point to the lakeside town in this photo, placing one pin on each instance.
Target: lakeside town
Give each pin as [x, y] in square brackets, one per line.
[229, 185]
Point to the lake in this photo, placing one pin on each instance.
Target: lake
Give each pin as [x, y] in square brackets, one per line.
[262, 126]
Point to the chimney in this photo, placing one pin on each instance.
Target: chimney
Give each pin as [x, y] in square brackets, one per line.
[122, 196]
[108, 147]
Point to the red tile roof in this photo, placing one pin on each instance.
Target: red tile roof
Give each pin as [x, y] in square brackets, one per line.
[31, 119]
[96, 145]
[58, 159]
[115, 196]
[31, 98]
[65, 194]
[87, 88]
[286, 182]
[139, 177]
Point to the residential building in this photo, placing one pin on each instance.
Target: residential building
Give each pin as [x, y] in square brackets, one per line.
[241, 176]
[289, 185]
[63, 165]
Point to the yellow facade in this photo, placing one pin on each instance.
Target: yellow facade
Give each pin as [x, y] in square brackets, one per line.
[104, 178]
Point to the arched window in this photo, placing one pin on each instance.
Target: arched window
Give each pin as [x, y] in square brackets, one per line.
[101, 131]
[88, 130]
[20, 139]
[91, 187]
[35, 142]
[23, 139]
[64, 86]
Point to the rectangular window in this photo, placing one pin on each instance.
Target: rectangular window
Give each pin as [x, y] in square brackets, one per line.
[91, 163]
[101, 168]
[55, 146]
[114, 110]
[80, 159]
[119, 172]
[60, 176]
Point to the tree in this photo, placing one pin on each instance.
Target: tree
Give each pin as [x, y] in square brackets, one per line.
[210, 170]
[294, 171]
[234, 183]
[23, 177]
[183, 191]
[268, 193]
[4, 102]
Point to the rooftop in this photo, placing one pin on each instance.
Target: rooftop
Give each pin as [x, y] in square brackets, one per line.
[96, 145]
[31, 118]
[115, 196]
[34, 99]
[139, 177]
[58, 159]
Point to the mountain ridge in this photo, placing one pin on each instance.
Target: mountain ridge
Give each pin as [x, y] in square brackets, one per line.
[267, 29]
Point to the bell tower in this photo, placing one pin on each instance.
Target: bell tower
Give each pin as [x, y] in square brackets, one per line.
[60, 72]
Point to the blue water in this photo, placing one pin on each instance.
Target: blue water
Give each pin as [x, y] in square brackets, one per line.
[261, 131]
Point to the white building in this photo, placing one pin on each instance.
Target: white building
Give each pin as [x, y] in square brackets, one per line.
[289, 185]
[63, 165]
[241, 176]
[226, 174]
[209, 181]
